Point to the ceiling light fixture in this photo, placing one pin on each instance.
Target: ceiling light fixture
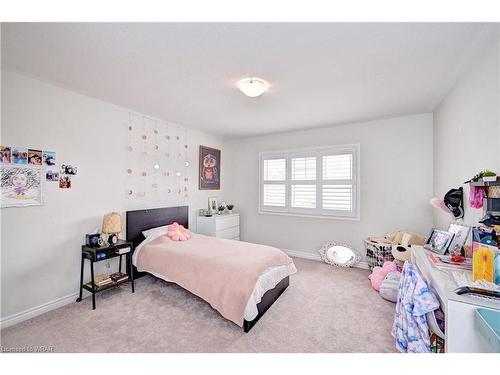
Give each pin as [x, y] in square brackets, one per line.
[253, 86]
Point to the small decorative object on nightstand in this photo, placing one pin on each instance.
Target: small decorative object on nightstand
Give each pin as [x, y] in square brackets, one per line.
[222, 226]
[111, 227]
[95, 254]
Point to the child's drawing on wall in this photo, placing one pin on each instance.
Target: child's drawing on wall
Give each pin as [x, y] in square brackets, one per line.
[20, 186]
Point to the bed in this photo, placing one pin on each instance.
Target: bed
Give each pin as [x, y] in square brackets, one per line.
[270, 284]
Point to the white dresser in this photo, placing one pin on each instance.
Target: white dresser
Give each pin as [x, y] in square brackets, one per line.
[222, 226]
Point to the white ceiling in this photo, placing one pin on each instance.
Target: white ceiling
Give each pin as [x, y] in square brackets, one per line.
[321, 74]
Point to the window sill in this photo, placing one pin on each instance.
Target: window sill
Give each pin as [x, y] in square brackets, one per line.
[329, 217]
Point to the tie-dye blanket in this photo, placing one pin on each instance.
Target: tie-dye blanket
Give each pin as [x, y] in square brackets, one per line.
[414, 301]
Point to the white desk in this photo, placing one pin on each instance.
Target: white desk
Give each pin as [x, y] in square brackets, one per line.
[460, 333]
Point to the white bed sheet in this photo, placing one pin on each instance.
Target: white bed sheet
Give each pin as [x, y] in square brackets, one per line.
[266, 281]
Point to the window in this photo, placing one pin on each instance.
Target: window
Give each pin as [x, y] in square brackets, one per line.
[313, 182]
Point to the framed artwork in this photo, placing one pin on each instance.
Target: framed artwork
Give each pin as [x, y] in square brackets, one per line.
[209, 168]
[439, 241]
[212, 204]
[21, 186]
[461, 232]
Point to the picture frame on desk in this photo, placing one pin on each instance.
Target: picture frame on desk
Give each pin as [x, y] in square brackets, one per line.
[461, 232]
[439, 241]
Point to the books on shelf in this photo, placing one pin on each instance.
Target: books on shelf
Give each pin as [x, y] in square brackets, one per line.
[122, 250]
[118, 276]
[101, 280]
[445, 262]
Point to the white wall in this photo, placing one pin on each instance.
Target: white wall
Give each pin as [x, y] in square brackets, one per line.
[41, 245]
[466, 130]
[396, 183]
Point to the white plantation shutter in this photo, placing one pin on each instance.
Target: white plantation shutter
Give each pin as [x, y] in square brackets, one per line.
[337, 167]
[275, 170]
[338, 183]
[303, 196]
[337, 197]
[275, 195]
[320, 182]
[274, 189]
[304, 168]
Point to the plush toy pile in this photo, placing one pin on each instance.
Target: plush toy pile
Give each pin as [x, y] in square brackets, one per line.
[385, 279]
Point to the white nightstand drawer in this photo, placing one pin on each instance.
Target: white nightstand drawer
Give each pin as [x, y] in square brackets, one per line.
[225, 222]
[229, 233]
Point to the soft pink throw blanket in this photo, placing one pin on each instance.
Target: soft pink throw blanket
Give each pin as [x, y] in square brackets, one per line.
[222, 272]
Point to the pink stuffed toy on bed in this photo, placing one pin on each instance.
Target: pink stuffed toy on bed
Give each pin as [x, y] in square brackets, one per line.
[177, 232]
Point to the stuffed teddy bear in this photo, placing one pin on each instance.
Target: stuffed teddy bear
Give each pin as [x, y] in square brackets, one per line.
[379, 273]
[401, 252]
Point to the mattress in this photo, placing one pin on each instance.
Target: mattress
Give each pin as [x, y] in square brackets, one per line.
[266, 281]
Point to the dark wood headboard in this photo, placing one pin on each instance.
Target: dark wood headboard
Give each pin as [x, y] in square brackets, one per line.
[141, 220]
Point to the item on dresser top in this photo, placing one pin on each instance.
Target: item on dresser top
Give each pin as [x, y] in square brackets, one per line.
[415, 300]
[230, 208]
[439, 241]
[212, 205]
[339, 255]
[221, 209]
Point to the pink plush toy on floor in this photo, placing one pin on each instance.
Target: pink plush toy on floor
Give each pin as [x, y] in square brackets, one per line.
[379, 273]
[177, 232]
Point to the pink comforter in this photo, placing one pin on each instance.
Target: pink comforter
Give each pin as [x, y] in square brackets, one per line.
[222, 272]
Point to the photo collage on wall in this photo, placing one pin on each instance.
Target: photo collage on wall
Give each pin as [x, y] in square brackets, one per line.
[23, 173]
[157, 161]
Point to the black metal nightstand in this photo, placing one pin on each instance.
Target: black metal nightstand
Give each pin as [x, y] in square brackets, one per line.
[97, 254]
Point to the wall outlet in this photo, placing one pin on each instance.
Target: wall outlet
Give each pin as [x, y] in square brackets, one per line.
[107, 264]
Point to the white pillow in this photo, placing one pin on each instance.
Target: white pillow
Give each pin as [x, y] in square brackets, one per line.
[155, 231]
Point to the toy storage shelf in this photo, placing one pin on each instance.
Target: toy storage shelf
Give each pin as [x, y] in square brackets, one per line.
[491, 204]
[485, 184]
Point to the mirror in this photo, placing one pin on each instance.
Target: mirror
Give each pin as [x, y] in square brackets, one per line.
[339, 255]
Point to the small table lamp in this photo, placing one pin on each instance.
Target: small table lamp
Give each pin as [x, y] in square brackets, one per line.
[111, 225]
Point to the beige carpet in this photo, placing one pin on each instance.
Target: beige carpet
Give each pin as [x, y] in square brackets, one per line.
[324, 309]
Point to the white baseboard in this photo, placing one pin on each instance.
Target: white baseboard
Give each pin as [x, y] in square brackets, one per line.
[315, 256]
[37, 310]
